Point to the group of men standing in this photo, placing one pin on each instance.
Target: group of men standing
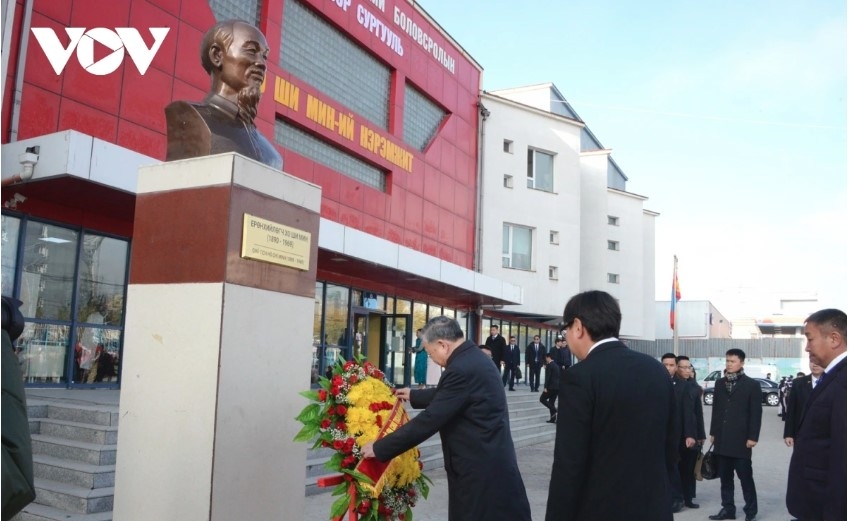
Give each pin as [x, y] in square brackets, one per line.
[508, 357]
[626, 428]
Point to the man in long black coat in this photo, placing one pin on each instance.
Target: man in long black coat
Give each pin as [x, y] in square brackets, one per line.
[497, 345]
[469, 410]
[816, 484]
[796, 399]
[693, 433]
[735, 427]
[612, 445]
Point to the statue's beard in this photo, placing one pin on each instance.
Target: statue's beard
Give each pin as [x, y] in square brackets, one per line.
[248, 100]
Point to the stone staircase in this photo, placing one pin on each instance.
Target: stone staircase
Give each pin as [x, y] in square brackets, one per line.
[74, 448]
[527, 425]
[74, 451]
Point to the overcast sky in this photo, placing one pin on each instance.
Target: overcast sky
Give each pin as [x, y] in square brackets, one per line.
[729, 116]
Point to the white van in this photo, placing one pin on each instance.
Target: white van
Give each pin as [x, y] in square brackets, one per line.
[751, 370]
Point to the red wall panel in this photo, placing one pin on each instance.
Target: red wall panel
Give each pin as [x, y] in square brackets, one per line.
[433, 201]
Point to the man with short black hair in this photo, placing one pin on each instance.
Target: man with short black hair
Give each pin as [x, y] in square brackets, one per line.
[534, 360]
[816, 484]
[551, 387]
[604, 429]
[691, 441]
[734, 430]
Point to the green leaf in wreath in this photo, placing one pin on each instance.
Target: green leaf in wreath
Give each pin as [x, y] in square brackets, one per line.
[409, 515]
[340, 506]
[310, 395]
[310, 413]
[341, 488]
[359, 476]
[425, 487]
[334, 463]
[307, 433]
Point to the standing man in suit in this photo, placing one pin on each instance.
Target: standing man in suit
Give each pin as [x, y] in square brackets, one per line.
[551, 388]
[512, 361]
[470, 414]
[496, 345]
[796, 398]
[734, 430]
[816, 485]
[604, 429]
[534, 360]
[688, 448]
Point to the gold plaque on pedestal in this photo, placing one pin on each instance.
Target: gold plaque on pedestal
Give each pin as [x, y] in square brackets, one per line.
[276, 243]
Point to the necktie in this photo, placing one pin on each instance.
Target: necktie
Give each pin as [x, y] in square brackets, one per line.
[821, 378]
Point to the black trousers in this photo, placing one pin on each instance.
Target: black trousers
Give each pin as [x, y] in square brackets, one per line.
[533, 375]
[686, 468]
[743, 467]
[548, 398]
[509, 373]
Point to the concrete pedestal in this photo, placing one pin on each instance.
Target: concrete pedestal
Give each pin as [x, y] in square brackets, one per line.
[217, 347]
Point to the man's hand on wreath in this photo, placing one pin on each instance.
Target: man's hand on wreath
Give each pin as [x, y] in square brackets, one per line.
[368, 450]
[403, 394]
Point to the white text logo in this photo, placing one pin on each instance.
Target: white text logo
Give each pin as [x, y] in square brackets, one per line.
[83, 41]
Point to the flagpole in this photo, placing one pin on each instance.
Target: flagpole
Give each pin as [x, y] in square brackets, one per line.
[675, 306]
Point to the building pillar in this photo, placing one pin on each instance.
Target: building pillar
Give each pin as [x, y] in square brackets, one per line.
[217, 342]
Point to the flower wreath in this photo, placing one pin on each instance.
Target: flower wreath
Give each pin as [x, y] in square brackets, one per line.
[353, 407]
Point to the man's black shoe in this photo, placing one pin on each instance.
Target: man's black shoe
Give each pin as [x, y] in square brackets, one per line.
[723, 514]
[690, 504]
[677, 506]
[750, 517]
[512, 389]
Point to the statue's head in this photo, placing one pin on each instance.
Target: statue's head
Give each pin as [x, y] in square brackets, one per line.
[234, 54]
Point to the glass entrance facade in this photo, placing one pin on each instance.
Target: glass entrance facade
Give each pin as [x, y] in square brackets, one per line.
[72, 284]
[343, 326]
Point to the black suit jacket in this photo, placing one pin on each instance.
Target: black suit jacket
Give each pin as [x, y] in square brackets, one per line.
[512, 358]
[816, 484]
[800, 390]
[539, 359]
[497, 346]
[469, 410]
[686, 425]
[736, 417]
[552, 377]
[605, 432]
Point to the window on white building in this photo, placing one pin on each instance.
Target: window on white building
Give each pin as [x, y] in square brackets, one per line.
[613, 245]
[508, 146]
[554, 237]
[517, 247]
[540, 170]
[613, 278]
[612, 221]
[508, 181]
[552, 272]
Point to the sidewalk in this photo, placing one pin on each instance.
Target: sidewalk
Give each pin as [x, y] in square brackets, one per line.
[770, 460]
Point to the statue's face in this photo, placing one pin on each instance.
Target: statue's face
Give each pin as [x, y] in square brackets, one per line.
[243, 64]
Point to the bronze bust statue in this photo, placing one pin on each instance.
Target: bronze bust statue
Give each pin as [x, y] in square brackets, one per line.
[234, 53]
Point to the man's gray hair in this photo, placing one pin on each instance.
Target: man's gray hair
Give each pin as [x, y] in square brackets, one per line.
[441, 328]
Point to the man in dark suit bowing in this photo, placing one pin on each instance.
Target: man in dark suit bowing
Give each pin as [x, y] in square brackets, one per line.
[816, 484]
[797, 397]
[534, 360]
[469, 410]
[613, 446]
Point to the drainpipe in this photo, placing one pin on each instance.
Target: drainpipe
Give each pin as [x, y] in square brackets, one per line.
[9, 7]
[19, 73]
[483, 114]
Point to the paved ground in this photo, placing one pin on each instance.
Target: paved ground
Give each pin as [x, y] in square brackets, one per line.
[770, 460]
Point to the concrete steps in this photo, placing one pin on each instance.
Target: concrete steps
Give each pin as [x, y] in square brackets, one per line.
[527, 425]
[74, 450]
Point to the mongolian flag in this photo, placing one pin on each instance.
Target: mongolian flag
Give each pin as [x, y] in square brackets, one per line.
[676, 295]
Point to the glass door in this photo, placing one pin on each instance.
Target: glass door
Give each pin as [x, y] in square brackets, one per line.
[396, 339]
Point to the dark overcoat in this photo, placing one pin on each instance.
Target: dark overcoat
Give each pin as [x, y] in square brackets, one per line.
[686, 425]
[796, 399]
[614, 443]
[497, 346]
[552, 377]
[816, 484]
[469, 410]
[736, 417]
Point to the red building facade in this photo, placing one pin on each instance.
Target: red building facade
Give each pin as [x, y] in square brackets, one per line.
[369, 99]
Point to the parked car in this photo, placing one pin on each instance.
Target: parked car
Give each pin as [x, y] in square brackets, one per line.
[769, 390]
